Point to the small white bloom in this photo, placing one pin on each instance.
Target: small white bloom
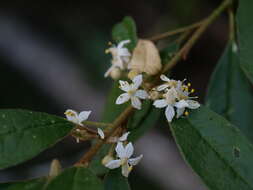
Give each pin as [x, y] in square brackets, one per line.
[119, 139]
[182, 104]
[132, 92]
[101, 133]
[169, 102]
[74, 117]
[168, 83]
[124, 159]
[120, 56]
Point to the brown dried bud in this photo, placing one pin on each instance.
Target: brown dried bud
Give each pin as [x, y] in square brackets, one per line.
[146, 58]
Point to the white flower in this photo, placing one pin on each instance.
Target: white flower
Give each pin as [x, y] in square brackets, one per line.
[124, 159]
[101, 133]
[120, 56]
[177, 95]
[182, 104]
[74, 117]
[119, 139]
[132, 92]
[169, 102]
[169, 83]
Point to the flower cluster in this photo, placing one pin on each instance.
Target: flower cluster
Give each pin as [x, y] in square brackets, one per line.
[173, 95]
[124, 151]
[120, 58]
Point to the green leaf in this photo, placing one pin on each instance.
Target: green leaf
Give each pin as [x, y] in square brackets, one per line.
[35, 184]
[75, 178]
[24, 134]
[116, 181]
[230, 93]
[215, 149]
[125, 30]
[244, 17]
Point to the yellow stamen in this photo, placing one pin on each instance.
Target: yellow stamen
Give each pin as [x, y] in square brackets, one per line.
[109, 43]
[189, 84]
[130, 168]
[186, 113]
[192, 90]
[107, 51]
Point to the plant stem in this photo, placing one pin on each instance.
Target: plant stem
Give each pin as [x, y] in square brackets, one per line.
[186, 48]
[231, 24]
[96, 124]
[121, 119]
[174, 32]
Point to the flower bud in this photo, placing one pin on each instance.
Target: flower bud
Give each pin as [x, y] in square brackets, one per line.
[107, 159]
[133, 73]
[115, 73]
[55, 168]
[146, 58]
[154, 95]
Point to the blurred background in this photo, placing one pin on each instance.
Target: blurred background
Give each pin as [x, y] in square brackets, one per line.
[52, 58]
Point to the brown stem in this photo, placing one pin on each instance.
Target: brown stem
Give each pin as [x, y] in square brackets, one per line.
[84, 161]
[186, 48]
[174, 32]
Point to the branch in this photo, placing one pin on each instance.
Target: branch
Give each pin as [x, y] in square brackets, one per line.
[174, 32]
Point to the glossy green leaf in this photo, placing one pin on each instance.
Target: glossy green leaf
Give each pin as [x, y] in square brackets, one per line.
[24, 134]
[230, 93]
[216, 150]
[114, 180]
[76, 178]
[244, 17]
[35, 184]
[125, 30]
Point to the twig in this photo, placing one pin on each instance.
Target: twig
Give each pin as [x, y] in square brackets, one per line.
[174, 32]
[186, 48]
[96, 124]
[122, 118]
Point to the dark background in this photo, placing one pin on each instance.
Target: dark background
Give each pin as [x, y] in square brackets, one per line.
[52, 58]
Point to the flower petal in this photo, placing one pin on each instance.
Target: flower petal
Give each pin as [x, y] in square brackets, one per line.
[113, 164]
[122, 43]
[101, 133]
[164, 78]
[136, 103]
[72, 116]
[124, 85]
[160, 103]
[137, 81]
[124, 136]
[129, 150]
[109, 71]
[135, 161]
[180, 112]
[83, 116]
[125, 169]
[141, 94]
[181, 104]
[169, 113]
[121, 153]
[123, 98]
[162, 87]
[192, 104]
